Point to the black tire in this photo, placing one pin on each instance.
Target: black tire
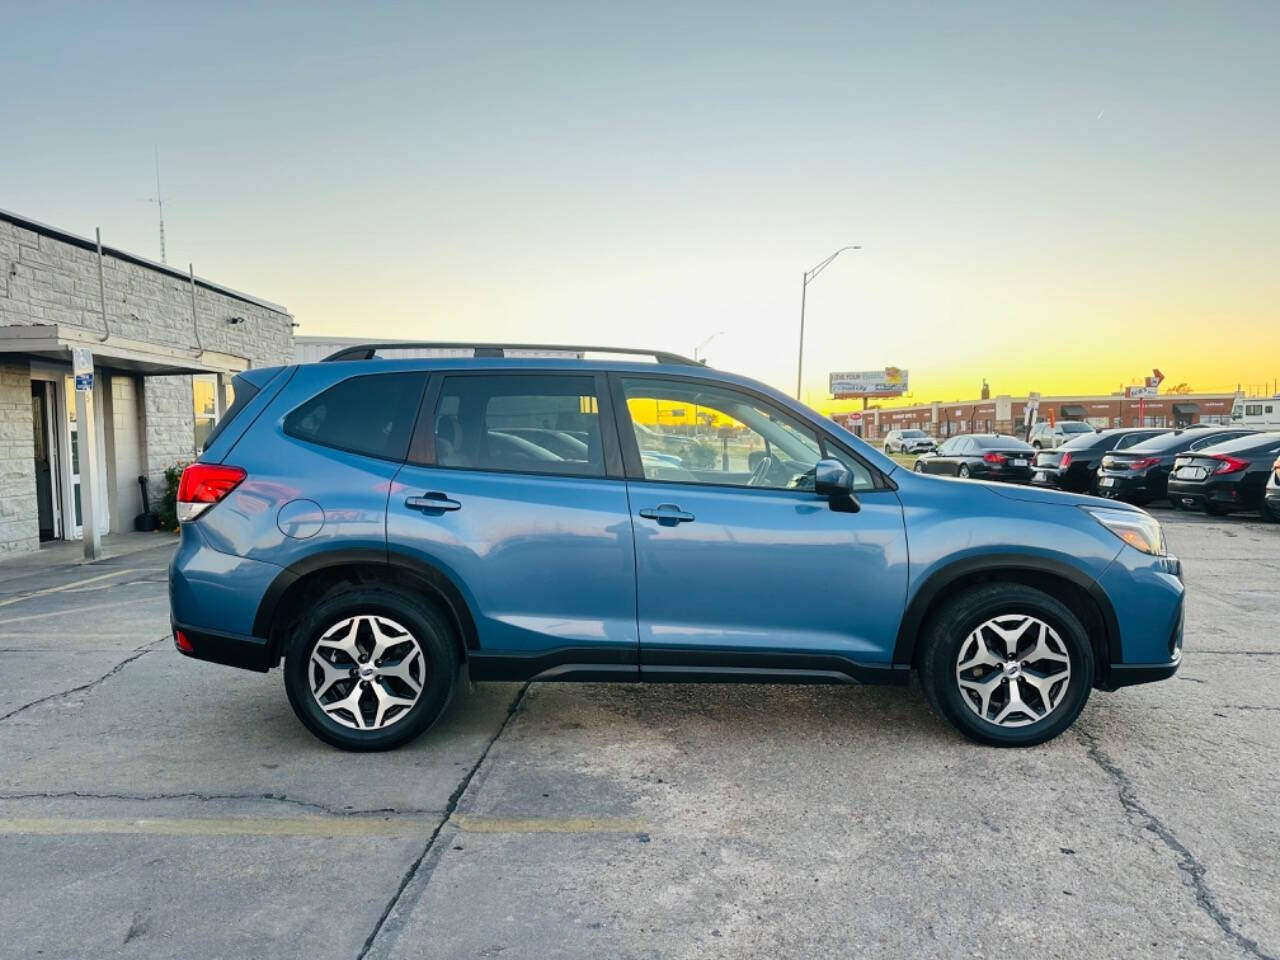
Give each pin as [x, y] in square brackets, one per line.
[1036, 444]
[963, 472]
[949, 628]
[434, 635]
[918, 468]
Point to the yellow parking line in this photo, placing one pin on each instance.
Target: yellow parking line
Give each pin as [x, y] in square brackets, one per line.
[477, 824]
[67, 586]
[214, 827]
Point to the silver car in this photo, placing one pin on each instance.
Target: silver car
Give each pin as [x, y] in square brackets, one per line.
[909, 441]
[1050, 436]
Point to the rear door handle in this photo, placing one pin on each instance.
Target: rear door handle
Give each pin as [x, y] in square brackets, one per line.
[668, 513]
[432, 501]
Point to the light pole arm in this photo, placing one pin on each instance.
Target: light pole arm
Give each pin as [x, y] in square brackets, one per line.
[809, 276]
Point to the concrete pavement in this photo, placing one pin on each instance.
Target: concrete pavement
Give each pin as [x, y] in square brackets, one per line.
[152, 806]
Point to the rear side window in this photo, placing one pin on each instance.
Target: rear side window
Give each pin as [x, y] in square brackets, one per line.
[371, 415]
[242, 391]
[526, 423]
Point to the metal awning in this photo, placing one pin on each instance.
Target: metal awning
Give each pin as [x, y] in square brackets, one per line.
[1073, 411]
[54, 342]
[1186, 409]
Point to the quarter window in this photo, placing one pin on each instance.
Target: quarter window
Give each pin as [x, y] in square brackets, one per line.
[371, 415]
[522, 423]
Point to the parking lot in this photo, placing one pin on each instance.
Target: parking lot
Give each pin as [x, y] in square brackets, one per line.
[154, 806]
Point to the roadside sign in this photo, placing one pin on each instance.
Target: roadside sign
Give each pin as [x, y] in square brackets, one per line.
[888, 382]
[82, 367]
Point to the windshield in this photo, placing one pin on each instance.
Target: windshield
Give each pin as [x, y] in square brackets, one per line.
[913, 434]
[1076, 428]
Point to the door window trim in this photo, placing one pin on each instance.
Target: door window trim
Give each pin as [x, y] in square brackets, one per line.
[422, 444]
[631, 447]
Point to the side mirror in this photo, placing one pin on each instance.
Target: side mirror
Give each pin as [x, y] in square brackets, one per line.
[833, 480]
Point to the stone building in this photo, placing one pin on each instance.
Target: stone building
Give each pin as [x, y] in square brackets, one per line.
[164, 346]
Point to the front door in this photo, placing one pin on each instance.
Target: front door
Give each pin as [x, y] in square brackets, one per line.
[517, 496]
[738, 565]
[43, 436]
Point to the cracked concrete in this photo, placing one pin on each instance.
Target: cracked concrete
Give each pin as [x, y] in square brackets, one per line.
[184, 812]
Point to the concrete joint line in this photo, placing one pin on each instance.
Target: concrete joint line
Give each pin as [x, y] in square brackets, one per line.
[390, 925]
[315, 826]
[141, 652]
[1187, 862]
[223, 797]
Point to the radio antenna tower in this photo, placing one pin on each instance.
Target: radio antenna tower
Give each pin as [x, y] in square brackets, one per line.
[158, 200]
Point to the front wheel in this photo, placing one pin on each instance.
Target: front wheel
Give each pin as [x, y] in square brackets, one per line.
[1007, 665]
[370, 668]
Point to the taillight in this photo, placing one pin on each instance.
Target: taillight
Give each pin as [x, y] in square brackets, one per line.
[182, 643]
[203, 485]
[1229, 464]
[1066, 460]
[1144, 463]
[993, 458]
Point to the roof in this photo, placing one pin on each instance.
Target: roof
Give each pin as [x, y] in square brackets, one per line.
[85, 243]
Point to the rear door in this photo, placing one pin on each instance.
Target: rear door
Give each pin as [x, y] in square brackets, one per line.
[738, 565]
[537, 540]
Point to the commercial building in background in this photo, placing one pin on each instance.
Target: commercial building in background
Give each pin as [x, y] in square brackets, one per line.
[161, 347]
[1005, 414]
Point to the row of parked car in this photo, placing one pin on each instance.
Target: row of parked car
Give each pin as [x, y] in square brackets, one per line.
[1217, 469]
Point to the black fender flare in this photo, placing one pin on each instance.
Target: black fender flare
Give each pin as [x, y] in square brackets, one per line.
[448, 592]
[937, 582]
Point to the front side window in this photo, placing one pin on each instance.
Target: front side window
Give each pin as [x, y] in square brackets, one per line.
[689, 432]
[371, 415]
[523, 423]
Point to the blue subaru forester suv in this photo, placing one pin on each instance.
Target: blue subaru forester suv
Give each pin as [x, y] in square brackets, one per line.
[382, 519]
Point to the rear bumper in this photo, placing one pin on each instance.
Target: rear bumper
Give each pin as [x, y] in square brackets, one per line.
[1227, 493]
[247, 653]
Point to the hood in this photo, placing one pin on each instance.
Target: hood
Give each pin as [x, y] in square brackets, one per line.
[1057, 498]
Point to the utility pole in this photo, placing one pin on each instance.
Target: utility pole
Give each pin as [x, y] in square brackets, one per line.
[158, 200]
[809, 276]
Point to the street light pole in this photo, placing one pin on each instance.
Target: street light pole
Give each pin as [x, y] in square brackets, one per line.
[809, 276]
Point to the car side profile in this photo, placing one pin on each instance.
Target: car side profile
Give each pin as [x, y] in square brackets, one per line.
[982, 456]
[908, 441]
[368, 523]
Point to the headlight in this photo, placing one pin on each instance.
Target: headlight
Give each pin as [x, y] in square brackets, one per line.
[1139, 530]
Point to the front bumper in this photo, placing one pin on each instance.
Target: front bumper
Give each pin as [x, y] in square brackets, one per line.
[1148, 599]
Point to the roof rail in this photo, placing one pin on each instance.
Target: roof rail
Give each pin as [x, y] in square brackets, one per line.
[367, 351]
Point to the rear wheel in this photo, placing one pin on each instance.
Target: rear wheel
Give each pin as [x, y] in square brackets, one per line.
[963, 472]
[1007, 665]
[370, 668]
[919, 467]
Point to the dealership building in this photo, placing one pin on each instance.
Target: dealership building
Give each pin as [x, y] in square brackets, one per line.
[161, 346]
[1005, 414]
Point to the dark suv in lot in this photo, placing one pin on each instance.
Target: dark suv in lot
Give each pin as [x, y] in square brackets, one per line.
[376, 523]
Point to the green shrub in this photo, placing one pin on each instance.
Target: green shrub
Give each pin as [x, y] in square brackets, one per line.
[169, 503]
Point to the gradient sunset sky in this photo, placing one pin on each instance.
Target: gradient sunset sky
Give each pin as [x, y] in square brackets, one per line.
[1055, 197]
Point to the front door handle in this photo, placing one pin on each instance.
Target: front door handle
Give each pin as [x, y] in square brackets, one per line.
[432, 501]
[668, 513]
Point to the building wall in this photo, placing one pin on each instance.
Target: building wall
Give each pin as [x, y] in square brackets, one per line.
[48, 277]
[19, 523]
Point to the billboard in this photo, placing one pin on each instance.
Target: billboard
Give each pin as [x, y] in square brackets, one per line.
[888, 382]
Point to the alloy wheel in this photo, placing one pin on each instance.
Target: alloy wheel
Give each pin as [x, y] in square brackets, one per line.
[366, 672]
[1013, 670]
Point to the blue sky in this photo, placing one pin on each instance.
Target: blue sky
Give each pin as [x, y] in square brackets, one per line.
[1052, 197]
